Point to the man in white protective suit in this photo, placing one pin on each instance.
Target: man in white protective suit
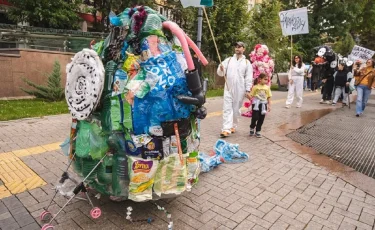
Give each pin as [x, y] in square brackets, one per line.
[239, 76]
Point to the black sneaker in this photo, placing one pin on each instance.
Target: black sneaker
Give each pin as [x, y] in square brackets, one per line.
[252, 132]
[357, 115]
[258, 135]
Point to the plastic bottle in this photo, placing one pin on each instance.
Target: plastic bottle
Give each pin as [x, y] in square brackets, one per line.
[105, 170]
[77, 166]
[87, 166]
[120, 176]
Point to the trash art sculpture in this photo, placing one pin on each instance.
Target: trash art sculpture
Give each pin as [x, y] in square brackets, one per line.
[136, 100]
[321, 65]
[262, 63]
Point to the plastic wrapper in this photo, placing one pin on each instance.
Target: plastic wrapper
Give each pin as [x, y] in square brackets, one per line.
[119, 82]
[141, 174]
[153, 149]
[171, 176]
[120, 114]
[193, 169]
[131, 65]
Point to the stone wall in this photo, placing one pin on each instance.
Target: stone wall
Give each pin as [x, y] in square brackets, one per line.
[16, 64]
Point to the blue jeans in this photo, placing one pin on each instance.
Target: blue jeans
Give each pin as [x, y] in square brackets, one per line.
[307, 83]
[363, 94]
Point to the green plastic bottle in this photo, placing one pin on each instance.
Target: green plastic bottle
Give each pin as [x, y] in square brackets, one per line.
[105, 170]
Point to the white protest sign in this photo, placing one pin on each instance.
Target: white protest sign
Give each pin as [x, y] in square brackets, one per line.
[294, 21]
[360, 53]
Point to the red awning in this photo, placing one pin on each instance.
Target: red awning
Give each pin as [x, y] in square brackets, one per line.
[89, 17]
[4, 2]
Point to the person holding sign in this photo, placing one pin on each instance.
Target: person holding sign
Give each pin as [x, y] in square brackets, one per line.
[296, 78]
[238, 73]
[364, 82]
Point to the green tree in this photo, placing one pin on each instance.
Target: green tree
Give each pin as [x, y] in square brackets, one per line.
[364, 28]
[228, 20]
[265, 29]
[52, 91]
[104, 7]
[60, 14]
[345, 45]
[329, 21]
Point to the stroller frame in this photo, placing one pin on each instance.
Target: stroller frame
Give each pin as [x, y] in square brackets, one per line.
[79, 188]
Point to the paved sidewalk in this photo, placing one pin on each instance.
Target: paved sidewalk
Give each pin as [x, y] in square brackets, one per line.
[275, 189]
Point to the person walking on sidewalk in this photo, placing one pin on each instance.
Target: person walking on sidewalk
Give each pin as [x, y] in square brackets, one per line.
[261, 93]
[296, 77]
[239, 79]
[364, 82]
[342, 79]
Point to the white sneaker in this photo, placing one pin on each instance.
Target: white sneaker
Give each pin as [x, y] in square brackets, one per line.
[321, 101]
[298, 106]
[328, 102]
[287, 106]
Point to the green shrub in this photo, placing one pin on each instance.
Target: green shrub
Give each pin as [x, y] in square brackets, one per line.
[52, 91]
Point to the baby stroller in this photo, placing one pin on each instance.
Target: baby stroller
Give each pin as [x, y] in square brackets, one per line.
[70, 195]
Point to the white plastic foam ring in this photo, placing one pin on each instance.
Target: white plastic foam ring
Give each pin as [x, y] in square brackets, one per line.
[84, 84]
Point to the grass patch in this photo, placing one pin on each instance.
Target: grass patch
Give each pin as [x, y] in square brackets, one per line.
[274, 87]
[215, 93]
[17, 109]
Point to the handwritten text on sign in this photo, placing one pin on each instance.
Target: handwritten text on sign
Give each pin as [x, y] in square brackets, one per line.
[360, 53]
[294, 21]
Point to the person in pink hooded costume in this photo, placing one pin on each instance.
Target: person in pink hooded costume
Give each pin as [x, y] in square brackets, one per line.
[262, 63]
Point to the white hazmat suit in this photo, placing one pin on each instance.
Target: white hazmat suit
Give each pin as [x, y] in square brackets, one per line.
[239, 74]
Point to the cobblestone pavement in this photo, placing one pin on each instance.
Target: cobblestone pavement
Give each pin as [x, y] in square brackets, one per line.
[275, 189]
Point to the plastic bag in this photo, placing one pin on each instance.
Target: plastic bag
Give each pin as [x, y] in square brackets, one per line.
[65, 146]
[141, 173]
[208, 162]
[90, 141]
[352, 85]
[83, 139]
[98, 142]
[230, 152]
[171, 176]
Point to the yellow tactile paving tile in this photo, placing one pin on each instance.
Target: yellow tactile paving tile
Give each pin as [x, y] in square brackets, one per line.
[51, 147]
[4, 192]
[21, 152]
[16, 175]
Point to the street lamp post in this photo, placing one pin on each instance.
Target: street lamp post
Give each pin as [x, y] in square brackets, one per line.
[200, 22]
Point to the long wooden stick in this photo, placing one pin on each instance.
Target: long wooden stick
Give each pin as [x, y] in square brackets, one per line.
[217, 50]
[291, 49]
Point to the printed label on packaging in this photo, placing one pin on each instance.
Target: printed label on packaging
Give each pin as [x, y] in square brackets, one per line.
[153, 149]
[142, 166]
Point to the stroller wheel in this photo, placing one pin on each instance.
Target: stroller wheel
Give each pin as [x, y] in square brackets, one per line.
[95, 213]
[47, 227]
[45, 216]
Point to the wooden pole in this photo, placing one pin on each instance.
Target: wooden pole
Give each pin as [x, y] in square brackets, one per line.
[291, 49]
[213, 38]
